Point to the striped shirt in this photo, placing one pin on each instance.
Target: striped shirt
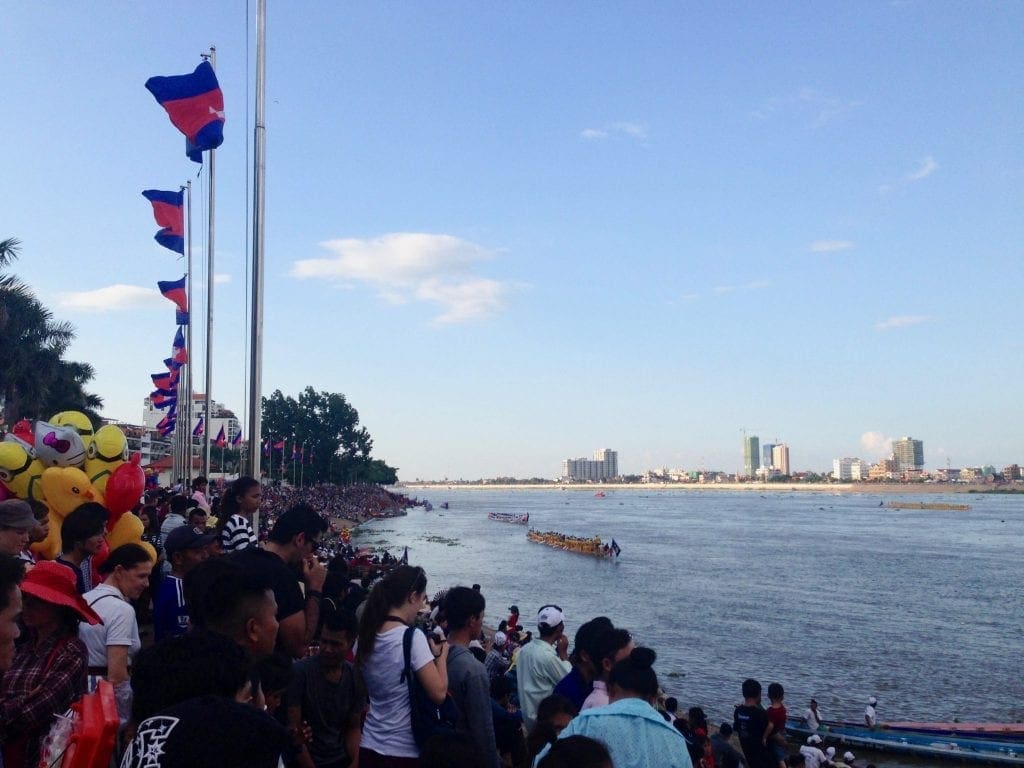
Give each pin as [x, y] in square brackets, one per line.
[237, 534]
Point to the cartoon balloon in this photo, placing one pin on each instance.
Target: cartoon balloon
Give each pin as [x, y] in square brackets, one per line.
[107, 451]
[49, 547]
[20, 471]
[23, 431]
[4, 493]
[124, 488]
[66, 488]
[79, 421]
[58, 446]
[127, 530]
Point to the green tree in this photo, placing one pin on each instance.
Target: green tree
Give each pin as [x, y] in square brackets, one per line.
[35, 379]
[336, 448]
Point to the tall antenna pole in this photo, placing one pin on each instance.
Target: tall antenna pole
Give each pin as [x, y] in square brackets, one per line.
[212, 56]
[187, 441]
[258, 213]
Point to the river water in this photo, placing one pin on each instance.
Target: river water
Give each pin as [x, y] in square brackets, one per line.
[834, 596]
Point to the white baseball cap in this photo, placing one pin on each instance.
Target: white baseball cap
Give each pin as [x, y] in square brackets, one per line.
[551, 615]
[500, 638]
[831, 751]
[872, 701]
[848, 756]
[814, 739]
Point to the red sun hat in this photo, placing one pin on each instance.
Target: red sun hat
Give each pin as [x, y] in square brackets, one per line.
[55, 583]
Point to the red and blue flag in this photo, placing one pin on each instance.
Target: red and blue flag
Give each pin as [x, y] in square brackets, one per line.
[179, 354]
[165, 380]
[175, 291]
[237, 439]
[222, 439]
[195, 104]
[169, 212]
[198, 429]
[266, 447]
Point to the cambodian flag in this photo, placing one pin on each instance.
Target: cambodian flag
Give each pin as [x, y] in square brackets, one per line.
[195, 105]
[172, 364]
[279, 445]
[165, 421]
[165, 380]
[167, 402]
[169, 212]
[222, 439]
[175, 291]
[237, 439]
[198, 430]
[179, 354]
[161, 394]
[168, 428]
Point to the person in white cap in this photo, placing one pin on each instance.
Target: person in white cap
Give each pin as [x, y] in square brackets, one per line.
[542, 662]
[496, 660]
[830, 756]
[813, 756]
[869, 713]
[847, 761]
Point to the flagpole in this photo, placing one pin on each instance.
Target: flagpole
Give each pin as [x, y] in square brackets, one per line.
[212, 56]
[258, 214]
[188, 344]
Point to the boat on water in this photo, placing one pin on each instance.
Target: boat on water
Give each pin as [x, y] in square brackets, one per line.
[999, 731]
[509, 517]
[928, 505]
[991, 751]
[594, 547]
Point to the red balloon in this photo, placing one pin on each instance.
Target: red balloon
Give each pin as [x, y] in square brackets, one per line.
[124, 489]
[97, 561]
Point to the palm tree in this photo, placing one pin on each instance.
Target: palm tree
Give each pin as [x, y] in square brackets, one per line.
[35, 380]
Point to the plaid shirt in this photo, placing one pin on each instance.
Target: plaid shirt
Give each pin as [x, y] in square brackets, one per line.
[45, 677]
[496, 663]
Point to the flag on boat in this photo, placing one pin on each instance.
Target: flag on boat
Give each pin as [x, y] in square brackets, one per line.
[222, 439]
[198, 430]
[195, 105]
[616, 548]
[174, 291]
[169, 212]
[405, 557]
[237, 439]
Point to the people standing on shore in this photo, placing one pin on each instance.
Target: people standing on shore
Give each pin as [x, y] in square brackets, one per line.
[724, 753]
[391, 610]
[813, 756]
[751, 724]
[775, 734]
[234, 523]
[542, 663]
[578, 684]
[554, 713]
[610, 647]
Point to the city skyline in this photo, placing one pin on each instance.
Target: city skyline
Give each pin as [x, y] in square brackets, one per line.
[509, 233]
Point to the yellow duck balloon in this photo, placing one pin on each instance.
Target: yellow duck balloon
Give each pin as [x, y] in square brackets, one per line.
[128, 530]
[20, 471]
[66, 488]
[107, 451]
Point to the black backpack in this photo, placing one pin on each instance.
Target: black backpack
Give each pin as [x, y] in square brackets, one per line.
[428, 719]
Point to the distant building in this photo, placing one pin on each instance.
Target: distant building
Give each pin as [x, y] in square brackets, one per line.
[780, 458]
[218, 417]
[850, 469]
[766, 455]
[909, 454]
[751, 455]
[885, 469]
[604, 466]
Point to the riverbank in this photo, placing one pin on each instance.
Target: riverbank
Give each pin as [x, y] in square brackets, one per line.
[763, 488]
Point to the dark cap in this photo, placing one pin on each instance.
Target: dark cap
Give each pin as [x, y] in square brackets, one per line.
[15, 513]
[187, 537]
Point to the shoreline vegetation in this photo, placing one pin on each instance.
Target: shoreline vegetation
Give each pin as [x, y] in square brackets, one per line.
[779, 487]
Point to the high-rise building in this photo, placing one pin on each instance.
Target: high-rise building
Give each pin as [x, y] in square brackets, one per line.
[751, 455]
[604, 466]
[850, 469]
[780, 458]
[909, 454]
[766, 455]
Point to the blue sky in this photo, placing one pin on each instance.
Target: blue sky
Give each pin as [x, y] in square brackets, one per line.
[515, 233]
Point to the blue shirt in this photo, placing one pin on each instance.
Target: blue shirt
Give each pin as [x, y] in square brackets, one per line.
[170, 616]
[635, 734]
[574, 688]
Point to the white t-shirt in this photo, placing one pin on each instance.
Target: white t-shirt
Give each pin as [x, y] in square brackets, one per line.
[869, 715]
[119, 626]
[813, 757]
[388, 726]
[813, 720]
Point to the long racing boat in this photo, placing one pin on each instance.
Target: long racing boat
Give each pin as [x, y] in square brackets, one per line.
[992, 751]
[509, 517]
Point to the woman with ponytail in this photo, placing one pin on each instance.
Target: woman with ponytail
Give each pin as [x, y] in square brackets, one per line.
[234, 519]
[635, 734]
[387, 740]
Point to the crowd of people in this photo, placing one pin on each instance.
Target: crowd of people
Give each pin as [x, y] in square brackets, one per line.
[283, 648]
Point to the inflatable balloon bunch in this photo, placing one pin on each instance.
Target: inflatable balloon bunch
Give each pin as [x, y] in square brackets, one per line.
[63, 463]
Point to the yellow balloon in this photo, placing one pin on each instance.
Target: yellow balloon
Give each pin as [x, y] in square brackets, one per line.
[127, 530]
[49, 547]
[66, 488]
[20, 471]
[75, 419]
[150, 549]
[107, 451]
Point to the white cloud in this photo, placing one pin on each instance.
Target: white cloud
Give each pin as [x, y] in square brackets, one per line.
[221, 277]
[754, 285]
[875, 443]
[113, 298]
[631, 130]
[830, 246]
[902, 321]
[817, 108]
[927, 168]
[411, 266]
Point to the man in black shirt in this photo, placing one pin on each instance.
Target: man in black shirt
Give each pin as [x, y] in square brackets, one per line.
[751, 723]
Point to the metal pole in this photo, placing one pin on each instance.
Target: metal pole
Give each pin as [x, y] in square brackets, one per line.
[209, 297]
[187, 436]
[258, 214]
